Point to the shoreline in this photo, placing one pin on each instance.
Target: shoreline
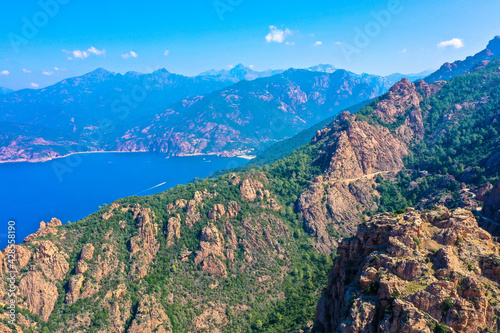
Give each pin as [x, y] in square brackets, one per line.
[48, 159]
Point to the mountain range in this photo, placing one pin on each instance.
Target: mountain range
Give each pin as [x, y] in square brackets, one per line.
[385, 221]
[105, 111]
[147, 112]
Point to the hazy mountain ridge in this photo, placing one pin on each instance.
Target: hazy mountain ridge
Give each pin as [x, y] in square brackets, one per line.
[252, 114]
[104, 111]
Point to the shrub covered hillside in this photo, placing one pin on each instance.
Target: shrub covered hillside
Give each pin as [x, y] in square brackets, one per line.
[250, 251]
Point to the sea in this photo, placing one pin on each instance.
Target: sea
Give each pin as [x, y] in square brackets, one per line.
[73, 187]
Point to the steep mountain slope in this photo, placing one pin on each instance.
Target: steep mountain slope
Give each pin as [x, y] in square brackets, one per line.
[249, 252]
[414, 272]
[251, 114]
[448, 71]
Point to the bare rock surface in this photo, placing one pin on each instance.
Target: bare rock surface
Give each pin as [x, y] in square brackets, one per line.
[412, 273]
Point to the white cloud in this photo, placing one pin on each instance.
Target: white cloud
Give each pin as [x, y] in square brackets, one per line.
[166, 53]
[338, 43]
[131, 54]
[318, 43]
[59, 69]
[47, 73]
[34, 85]
[455, 43]
[26, 71]
[5, 72]
[404, 50]
[82, 54]
[276, 35]
[95, 51]
[251, 66]
[290, 43]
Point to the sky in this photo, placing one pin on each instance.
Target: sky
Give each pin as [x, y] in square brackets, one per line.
[43, 42]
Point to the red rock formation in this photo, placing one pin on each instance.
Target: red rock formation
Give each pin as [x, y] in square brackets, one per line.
[412, 272]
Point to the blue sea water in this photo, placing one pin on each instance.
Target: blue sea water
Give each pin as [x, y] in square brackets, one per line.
[70, 188]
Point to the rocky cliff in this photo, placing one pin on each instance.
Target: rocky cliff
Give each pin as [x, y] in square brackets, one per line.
[414, 272]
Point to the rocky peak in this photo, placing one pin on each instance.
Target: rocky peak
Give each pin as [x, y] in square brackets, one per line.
[401, 97]
[144, 246]
[363, 149]
[412, 273]
[494, 45]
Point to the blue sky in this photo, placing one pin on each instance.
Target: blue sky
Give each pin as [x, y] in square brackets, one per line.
[189, 37]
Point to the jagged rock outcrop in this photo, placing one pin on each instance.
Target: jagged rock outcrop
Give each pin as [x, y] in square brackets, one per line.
[74, 288]
[87, 252]
[401, 97]
[45, 230]
[333, 210]
[217, 212]
[38, 285]
[211, 250]
[144, 246]
[41, 295]
[251, 189]
[362, 149]
[411, 273]
[150, 317]
[354, 153]
[173, 229]
[233, 209]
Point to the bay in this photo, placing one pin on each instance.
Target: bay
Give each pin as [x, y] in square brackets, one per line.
[73, 187]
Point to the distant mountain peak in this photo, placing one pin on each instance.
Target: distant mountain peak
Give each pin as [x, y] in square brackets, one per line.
[99, 74]
[238, 73]
[240, 66]
[323, 68]
[162, 71]
[101, 71]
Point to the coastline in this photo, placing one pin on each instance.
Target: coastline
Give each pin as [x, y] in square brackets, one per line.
[47, 159]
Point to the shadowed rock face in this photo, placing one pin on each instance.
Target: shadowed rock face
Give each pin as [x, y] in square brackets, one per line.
[411, 272]
[492, 205]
